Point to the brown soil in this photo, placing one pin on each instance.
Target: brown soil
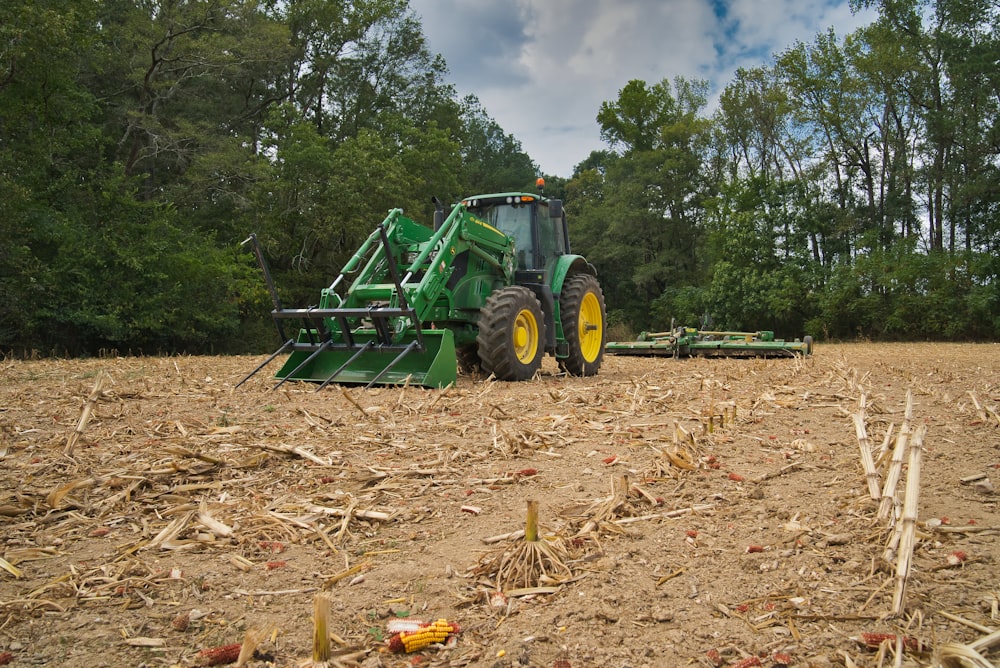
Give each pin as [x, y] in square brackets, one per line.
[695, 512]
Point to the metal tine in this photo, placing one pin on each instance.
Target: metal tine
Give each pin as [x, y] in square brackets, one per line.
[326, 344]
[406, 351]
[383, 331]
[343, 366]
[288, 344]
[405, 306]
[310, 322]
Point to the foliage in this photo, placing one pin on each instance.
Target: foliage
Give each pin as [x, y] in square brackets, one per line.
[849, 189]
[143, 142]
[640, 209]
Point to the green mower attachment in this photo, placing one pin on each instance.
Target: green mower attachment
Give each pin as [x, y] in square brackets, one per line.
[690, 342]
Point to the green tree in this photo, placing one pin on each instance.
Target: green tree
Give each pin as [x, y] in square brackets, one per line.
[47, 149]
[492, 160]
[652, 193]
[760, 264]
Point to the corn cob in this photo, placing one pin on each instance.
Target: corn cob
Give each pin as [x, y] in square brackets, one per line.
[181, 621]
[423, 636]
[873, 640]
[218, 656]
[747, 662]
[782, 659]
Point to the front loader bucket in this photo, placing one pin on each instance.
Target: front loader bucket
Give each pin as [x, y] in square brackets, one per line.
[428, 359]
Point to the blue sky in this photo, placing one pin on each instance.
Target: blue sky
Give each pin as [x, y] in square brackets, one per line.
[542, 68]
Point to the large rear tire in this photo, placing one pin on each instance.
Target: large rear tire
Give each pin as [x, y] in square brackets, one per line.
[511, 334]
[581, 305]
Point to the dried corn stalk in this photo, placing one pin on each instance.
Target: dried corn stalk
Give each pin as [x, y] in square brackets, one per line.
[909, 519]
[957, 655]
[980, 411]
[895, 470]
[987, 642]
[55, 497]
[680, 458]
[10, 568]
[254, 637]
[321, 632]
[602, 514]
[867, 460]
[218, 528]
[88, 410]
[682, 435]
[884, 448]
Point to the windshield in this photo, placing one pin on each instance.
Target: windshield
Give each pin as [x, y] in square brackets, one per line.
[514, 220]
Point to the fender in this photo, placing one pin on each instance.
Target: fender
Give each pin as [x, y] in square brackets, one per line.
[566, 266]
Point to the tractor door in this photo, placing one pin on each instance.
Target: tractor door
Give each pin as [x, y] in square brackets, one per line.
[550, 226]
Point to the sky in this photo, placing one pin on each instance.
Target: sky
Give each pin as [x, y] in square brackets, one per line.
[542, 68]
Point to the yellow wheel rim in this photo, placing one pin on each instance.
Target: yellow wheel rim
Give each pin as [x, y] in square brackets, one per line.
[525, 336]
[591, 327]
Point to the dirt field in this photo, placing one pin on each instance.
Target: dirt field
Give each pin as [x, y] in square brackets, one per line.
[692, 512]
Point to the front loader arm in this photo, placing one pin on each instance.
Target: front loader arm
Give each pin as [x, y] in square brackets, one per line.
[460, 233]
[404, 275]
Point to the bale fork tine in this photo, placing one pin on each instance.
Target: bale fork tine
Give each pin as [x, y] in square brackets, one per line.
[326, 344]
[288, 344]
[343, 366]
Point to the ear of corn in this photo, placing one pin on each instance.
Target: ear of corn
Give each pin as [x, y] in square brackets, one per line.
[748, 662]
[422, 637]
[218, 656]
[404, 625]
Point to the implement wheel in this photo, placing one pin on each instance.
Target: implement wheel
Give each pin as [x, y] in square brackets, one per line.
[511, 334]
[581, 305]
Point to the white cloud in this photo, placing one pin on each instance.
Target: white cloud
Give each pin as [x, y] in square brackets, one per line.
[543, 68]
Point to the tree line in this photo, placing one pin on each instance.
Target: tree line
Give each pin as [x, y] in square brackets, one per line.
[849, 188]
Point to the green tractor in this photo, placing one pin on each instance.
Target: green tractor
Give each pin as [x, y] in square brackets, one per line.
[492, 286]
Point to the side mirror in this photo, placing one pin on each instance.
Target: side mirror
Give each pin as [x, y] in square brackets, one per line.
[438, 213]
[555, 208]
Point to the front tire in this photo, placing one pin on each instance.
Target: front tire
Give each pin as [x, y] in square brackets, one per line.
[581, 305]
[511, 334]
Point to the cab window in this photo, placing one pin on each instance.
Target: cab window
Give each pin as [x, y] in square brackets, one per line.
[514, 220]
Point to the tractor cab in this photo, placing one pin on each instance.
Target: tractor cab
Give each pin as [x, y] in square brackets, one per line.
[536, 224]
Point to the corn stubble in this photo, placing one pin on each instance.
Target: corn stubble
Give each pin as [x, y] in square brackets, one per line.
[532, 561]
